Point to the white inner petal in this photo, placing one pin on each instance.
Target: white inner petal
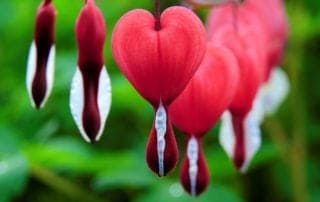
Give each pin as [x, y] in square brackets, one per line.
[31, 70]
[104, 99]
[49, 74]
[275, 90]
[77, 101]
[161, 128]
[226, 135]
[193, 155]
[252, 133]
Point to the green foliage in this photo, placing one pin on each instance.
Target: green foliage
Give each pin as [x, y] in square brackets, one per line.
[43, 158]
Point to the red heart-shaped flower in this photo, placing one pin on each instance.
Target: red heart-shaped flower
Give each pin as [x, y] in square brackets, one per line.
[199, 107]
[159, 60]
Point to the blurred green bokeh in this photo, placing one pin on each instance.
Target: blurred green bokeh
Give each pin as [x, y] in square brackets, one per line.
[44, 159]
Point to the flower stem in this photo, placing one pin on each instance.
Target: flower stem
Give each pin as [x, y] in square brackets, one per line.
[157, 14]
[47, 2]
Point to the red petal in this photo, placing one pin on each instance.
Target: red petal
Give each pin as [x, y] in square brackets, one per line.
[209, 92]
[159, 64]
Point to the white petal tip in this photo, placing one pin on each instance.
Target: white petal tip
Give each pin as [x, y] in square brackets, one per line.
[77, 101]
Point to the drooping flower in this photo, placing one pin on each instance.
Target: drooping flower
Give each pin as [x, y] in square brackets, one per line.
[159, 55]
[199, 107]
[90, 96]
[262, 28]
[240, 134]
[40, 67]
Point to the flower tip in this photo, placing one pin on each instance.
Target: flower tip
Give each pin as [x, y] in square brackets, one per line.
[162, 154]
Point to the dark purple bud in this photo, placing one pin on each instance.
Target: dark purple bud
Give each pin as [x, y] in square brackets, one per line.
[90, 91]
[40, 69]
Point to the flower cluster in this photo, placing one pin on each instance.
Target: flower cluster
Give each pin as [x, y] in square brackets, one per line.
[192, 76]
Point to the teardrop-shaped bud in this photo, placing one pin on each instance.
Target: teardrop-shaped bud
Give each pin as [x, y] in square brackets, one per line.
[90, 96]
[40, 67]
[194, 174]
[162, 150]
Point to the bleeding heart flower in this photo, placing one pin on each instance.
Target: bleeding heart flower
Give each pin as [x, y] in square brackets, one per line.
[262, 28]
[200, 106]
[159, 55]
[90, 96]
[247, 44]
[40, 68]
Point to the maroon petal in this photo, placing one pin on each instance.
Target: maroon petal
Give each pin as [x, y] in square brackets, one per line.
[239, 156]
[41, 57]
[194, 174]
[89, 114]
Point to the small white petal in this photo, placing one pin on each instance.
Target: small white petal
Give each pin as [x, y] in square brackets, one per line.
[77, 102]
[252, 134]
[192, 154]
[31, 70]
[104, 99]
[275, 91]
[161, 128]
[49, 74]
[226, 135]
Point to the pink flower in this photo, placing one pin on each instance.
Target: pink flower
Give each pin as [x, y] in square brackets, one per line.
[159, 55]
[199, 107]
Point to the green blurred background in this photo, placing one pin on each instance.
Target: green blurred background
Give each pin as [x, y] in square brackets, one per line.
[44, 159]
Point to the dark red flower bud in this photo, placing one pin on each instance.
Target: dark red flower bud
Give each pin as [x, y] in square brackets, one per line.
[40, 68]
[90, 96]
